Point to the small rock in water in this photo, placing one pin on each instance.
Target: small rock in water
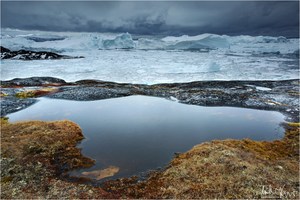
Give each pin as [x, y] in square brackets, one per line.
[104, 173]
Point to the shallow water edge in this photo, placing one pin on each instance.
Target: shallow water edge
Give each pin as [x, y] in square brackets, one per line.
[282, 96]
[132, 135]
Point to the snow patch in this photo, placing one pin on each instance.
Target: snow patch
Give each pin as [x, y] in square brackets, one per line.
[174, 99]
[260, 88]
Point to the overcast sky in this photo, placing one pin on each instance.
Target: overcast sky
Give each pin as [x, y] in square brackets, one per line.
[167, 18]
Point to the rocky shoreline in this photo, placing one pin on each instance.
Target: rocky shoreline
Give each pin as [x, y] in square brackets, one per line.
[32, 55]
[282, 96]
[36, 156]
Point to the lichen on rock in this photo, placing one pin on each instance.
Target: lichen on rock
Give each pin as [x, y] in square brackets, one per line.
[36, 93]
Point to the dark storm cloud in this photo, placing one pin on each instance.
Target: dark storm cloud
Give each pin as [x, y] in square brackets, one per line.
[172, 18]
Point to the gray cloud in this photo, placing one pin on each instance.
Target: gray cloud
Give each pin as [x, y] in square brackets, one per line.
[169, 18]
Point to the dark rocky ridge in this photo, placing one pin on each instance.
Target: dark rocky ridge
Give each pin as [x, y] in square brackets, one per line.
[33, 81]
[31, 55]
[280, 96]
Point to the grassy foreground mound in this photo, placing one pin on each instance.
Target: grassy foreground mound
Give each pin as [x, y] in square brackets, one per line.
[35, 153]
[225, 169]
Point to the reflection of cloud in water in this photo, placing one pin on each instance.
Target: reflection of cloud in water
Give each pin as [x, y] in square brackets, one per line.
[66, 114]
[217, 113]
[250, 117]
[99, 107]
[272, 120]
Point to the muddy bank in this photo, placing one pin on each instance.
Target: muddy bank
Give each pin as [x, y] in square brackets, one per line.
[280, 96]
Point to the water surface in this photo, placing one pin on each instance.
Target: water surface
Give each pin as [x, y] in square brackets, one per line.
[139, 133]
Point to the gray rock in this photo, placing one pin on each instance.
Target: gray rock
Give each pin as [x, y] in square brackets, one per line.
[31, 55]
[33, 81]
[281, 96]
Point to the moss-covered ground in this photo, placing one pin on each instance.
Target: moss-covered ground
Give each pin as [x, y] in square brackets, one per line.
[225, 169]
[35, 155]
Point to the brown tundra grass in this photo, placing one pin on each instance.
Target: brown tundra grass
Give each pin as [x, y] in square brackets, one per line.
[35, 155]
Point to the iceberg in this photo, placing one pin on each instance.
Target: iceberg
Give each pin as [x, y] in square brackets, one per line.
[166, 60]
[150, 44]
[200, 42]
[123, 41]
[213, 67]
[256, 39]
[71, 41]
[45, 38]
